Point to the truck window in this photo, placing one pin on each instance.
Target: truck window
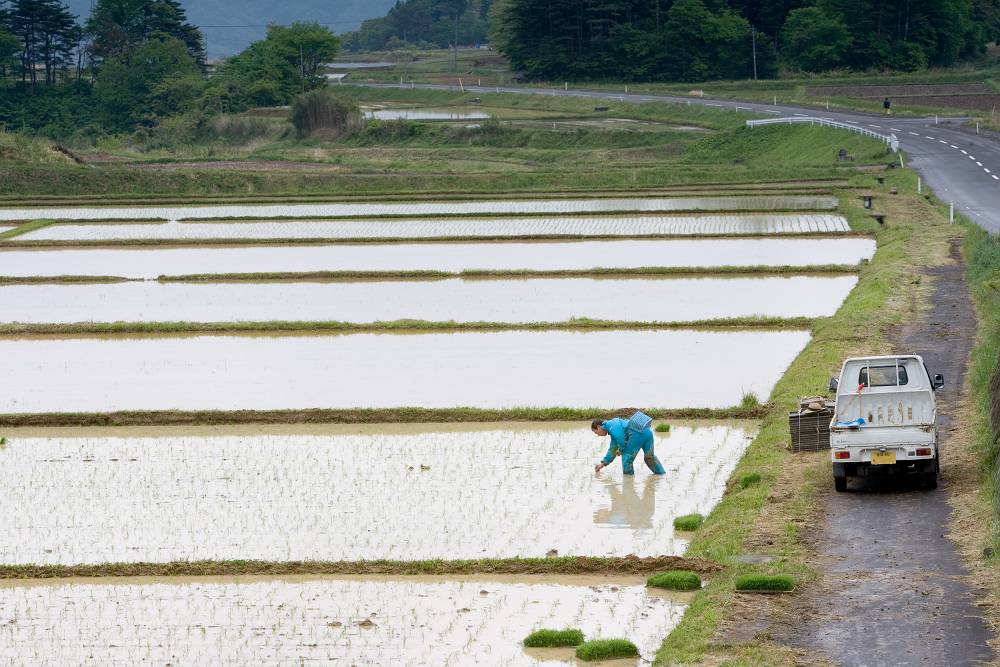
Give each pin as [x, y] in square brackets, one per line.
[882, 376]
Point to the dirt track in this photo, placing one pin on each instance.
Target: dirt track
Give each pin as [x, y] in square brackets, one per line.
[893, 589]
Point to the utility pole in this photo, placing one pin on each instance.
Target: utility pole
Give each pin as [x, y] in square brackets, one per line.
[753, 39]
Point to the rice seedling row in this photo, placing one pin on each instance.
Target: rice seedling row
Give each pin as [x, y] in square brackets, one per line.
[458, 228]
[441, 257]
[502, 493]
[452, 300]
[495, 207]
[429, 370]
[346, 621]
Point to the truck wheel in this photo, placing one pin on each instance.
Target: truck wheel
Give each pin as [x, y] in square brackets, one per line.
[930, 480]
[840, 484]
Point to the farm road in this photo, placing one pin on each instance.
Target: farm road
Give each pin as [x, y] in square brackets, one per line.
[892, 588]
[958, 164]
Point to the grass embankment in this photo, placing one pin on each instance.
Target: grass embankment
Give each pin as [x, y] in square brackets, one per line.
[625, 565]
[404, 415]
[982, 252]
[30, 226]
[889, 291]
[396, 326]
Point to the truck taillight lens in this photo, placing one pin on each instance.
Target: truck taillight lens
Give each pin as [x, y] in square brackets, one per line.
[841, 455]
[924, 451]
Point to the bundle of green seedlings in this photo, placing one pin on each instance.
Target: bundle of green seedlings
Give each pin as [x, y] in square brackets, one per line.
[765, 583]
[675, 580]
[606, 649]
[688, 522]
[545, 638]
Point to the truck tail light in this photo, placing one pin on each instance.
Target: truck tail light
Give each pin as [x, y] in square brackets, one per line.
[923, 451]
[841, 455]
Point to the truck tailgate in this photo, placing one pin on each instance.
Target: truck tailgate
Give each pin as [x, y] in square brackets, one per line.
[882, 436]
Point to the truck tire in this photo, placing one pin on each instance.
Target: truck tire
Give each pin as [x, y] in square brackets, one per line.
[931, 480]
[840, 484]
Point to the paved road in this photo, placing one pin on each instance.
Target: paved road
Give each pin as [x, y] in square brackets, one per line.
[958, 164]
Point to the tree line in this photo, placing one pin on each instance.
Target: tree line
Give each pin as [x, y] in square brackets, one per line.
[134, 63]
[694, 40]
[423, 24]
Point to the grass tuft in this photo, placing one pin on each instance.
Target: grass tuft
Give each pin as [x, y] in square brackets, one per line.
[749, 400]
[545, 638]
[663, 428]
[765, 582]
[688, 522]
[675, 580]
[750, 479]
[606, 649]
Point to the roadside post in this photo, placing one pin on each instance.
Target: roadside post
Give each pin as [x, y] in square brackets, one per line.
[951, 213]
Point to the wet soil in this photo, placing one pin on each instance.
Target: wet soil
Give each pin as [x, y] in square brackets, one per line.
[892, 588]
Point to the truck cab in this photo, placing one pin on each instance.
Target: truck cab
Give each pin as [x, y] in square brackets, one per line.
[885, 419]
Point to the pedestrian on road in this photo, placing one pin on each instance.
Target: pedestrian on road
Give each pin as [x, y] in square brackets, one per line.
[626, 442]
[886, 104]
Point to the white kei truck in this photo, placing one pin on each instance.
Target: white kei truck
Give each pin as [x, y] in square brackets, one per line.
[884, 421]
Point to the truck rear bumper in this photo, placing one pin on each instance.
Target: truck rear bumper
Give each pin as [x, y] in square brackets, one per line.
[866, 469]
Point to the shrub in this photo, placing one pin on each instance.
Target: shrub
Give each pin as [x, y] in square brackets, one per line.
[750, 479]
[604, 649]
[688, 522]
[765, 582]
[552, 638]
[663, 428]
[675, 580]
[326, 113]
[3, 441]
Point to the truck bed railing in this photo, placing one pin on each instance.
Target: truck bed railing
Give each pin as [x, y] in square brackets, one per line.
[889, 140]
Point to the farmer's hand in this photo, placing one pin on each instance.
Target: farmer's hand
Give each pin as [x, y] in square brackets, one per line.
[598, 467]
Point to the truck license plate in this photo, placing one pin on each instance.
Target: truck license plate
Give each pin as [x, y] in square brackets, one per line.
[883, 458]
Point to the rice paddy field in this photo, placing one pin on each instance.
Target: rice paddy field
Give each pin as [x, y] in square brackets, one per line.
[370, 313]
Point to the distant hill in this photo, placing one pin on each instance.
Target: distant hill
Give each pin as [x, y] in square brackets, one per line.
[342, 15]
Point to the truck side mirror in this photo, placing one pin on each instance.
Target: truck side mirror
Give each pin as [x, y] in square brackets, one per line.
[938, 381]
[834, 383]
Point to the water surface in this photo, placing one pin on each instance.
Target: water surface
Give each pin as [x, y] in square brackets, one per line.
[669, 369]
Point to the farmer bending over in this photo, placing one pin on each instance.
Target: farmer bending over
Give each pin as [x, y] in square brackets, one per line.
[628, 443]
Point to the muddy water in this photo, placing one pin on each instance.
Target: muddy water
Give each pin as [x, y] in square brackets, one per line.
[670, 369]
[498, 207]
[325, 621]
[425, 114]
[508, 301]
[537, 256]
[447, 494]
[620, 225]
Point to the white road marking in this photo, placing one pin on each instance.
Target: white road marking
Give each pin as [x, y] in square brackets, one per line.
[963, 151]
[929, 137]
[713, 105]
[995, 177]
[987, 170]
[942, 141]
[802, 115]
[978, 163]
[878, 126]
[772, 111]
[915, 134]
[972, 157]
[953, 146]
[895, 129]
[853, 122]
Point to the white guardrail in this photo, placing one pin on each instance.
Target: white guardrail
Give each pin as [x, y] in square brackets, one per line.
[888, 139]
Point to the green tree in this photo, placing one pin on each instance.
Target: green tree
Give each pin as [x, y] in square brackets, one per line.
[305, 46]
[48, 35]
[158, 79]
[815, 40]
[119, 27]
[10, 46]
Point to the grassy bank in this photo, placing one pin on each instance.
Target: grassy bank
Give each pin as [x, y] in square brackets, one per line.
[627, 565]
[404, 415]
[983, 255]
[768, 517]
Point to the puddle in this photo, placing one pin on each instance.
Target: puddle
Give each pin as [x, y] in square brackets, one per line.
[499, 207]
[668, 369]
[452, 300]
[448, 494]
[458, 228]
[320, 621]
[452, 257]
[424, 114]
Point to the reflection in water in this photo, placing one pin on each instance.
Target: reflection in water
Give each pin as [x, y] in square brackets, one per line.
[633, 503]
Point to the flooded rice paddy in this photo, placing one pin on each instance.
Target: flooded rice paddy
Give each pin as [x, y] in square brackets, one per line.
[564, 226]
[451, 300]
[488, 207]
[515, 491]
[328, 621]
[451, 257]
[668, 369]
[425, 114]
